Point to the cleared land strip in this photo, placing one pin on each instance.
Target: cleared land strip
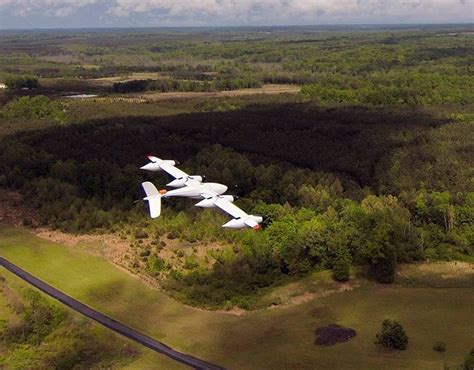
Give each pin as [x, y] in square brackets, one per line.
[107, 321]
[270, 89]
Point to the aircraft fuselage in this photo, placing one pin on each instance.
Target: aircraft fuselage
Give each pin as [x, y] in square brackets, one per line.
[195, 191]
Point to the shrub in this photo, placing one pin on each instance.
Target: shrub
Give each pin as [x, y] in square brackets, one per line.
[19, 82]
[155, 264]
[439, 347]
[469, 361]
[141, 234]
[392, 335]
[191, 263]
[383, 270]
[342, 265]
[36, 107]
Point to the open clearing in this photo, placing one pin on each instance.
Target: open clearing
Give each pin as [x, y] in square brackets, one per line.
[282, 338]
[270, 89]
[265, 89]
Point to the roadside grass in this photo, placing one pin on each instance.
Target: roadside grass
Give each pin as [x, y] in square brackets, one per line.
[5, 315]
[5, 312]
[17, 356]
[265, 339]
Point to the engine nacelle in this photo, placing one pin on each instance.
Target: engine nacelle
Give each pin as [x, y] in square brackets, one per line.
[230, 198]
[207, 203]
[179, 183]
[257, 219]
[211, 202]
[236, 223]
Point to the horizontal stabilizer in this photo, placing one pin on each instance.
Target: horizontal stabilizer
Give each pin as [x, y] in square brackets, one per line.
[153, 197]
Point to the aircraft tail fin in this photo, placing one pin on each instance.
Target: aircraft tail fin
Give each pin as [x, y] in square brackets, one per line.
[153, 197]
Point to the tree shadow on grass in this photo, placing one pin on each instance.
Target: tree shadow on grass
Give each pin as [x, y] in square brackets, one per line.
[344, 140]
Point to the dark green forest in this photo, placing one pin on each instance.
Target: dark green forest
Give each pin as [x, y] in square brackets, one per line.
[348, 185]
[371, 166]
[412, 65]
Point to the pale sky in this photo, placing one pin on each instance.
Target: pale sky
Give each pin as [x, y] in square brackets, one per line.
[162, 13]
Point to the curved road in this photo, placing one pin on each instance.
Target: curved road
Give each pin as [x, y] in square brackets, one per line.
[107, 321]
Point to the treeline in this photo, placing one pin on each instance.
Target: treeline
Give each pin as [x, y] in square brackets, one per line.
[167, 85]
[403, 67]
[19, 82]
[393, 89]
[36, 107]
[318, 227]
[177, 71]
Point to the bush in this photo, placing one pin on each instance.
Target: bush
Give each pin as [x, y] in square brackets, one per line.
[19, 82]
[155, 264]
[141, 234]
[383, 270]
[469, 361]
[439, 347]
[36, 107]
[190, 263]
[342, 265]
[392, 335]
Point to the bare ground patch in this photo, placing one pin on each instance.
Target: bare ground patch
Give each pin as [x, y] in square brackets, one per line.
[333, 334]
[108, 246]
[265, 89]
[270, 89]
[13, 211]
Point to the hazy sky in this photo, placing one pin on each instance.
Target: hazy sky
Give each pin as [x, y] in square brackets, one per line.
[133, 13]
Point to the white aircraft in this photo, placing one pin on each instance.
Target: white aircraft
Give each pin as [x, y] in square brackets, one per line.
[210, 193]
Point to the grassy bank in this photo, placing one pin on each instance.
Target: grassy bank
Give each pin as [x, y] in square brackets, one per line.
[38, 332]
[272, 338]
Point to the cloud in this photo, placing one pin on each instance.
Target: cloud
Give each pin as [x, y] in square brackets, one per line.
[257, 12]
[295, 11]
[51, 8]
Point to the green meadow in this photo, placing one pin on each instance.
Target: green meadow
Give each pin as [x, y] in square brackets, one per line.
[269, 338]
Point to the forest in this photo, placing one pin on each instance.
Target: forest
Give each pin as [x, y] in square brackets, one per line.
[423, 65]
[369, 167]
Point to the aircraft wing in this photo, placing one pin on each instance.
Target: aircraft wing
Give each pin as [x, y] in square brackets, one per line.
[181, 178]
[173, 171]
[230, 208]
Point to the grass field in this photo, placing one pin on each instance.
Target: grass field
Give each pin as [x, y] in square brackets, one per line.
[272, 338]
[16, 356]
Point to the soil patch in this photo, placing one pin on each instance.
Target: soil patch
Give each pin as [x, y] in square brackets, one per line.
[333, 334]
[13, 211]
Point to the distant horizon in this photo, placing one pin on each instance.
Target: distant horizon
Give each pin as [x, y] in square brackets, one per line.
[68, 14]
[335, 25]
